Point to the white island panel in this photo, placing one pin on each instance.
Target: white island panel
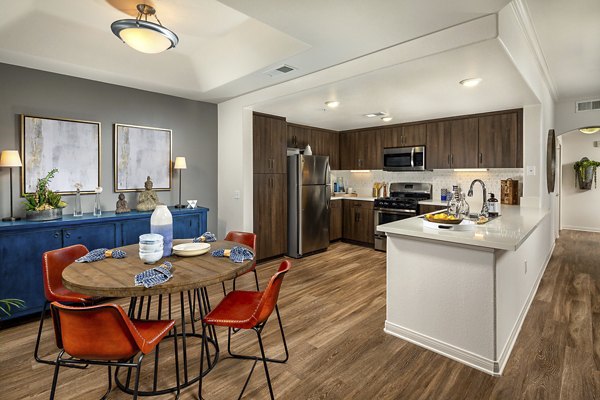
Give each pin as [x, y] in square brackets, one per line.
[442, 297]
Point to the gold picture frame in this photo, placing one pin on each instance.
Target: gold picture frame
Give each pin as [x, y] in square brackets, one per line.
[139, 152]
[72, 146]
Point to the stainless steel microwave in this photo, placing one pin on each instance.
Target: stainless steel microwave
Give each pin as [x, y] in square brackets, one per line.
[404, 159]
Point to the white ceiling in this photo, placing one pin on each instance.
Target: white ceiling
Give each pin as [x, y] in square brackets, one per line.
[568, 32]
[226, 46]
[425, 88]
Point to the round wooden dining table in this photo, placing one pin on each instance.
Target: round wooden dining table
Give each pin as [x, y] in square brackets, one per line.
[191, 276]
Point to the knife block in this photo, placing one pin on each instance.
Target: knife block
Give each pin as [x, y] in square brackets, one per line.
[509, 191]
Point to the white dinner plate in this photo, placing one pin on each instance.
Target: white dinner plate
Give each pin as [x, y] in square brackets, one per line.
[191, 249]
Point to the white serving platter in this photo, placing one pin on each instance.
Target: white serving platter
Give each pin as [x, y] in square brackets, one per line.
[191, 249]
[465, 225]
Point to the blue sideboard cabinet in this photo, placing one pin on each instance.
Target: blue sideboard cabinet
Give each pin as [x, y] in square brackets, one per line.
[22, 244]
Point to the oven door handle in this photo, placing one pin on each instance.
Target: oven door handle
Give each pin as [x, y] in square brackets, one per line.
[396, 211]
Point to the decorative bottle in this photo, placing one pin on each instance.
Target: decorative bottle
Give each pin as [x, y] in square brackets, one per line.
[97, 208]
[454, 202]
[464, 209]
[161, 222]
[77, 212]
[493, 206]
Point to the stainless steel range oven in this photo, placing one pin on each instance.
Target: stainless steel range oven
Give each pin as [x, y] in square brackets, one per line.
[403, 203]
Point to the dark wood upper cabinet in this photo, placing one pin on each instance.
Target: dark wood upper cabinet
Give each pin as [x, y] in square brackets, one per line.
[298, 136]
[334, 150]
[269, 135]
[464, 142]
[438, 147]
[392, 137]
[499, 141]
[361, 149]
[414, 135]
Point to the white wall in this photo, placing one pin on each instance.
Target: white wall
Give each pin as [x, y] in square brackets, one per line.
[567, 119]
[579, 207]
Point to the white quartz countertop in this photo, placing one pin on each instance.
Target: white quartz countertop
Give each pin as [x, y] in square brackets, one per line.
[507, 232]
[433, 203]
[353, 198]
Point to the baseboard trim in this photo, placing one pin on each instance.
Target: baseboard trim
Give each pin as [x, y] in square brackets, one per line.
[512, 339]
[580, 228]
[463, 356]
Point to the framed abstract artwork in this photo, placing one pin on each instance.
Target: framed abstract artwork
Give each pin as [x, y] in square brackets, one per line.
[141, 152]
[71, 146]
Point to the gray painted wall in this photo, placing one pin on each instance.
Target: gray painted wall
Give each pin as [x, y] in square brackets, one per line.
[194, 125]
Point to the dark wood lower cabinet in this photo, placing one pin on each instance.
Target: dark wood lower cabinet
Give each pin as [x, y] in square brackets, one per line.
[335, 220]
[270, 214]
[358, 225]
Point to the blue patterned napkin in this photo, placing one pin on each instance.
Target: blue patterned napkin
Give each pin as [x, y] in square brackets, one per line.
[206, 237]
[101, 254]
[154, 276]
[237, 254]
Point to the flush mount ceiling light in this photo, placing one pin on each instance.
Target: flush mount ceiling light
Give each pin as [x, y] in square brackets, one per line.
[589, 130]
[471, 82]
[332, 103]
[375, 114]
[386, 119]
[144, 36]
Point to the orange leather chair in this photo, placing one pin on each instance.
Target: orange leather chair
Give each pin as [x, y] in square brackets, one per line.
[53, 264]
[248, 239]
[248, 310]
[104, 335]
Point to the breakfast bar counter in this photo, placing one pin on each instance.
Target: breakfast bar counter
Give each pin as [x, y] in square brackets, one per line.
[465, 294]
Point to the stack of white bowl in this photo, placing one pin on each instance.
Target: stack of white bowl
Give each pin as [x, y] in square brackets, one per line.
[151, 247]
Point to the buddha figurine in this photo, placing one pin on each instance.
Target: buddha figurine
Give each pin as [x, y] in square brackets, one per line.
[122, 206]
[148, 199]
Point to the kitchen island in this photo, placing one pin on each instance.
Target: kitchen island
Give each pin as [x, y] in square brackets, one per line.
[465, 294]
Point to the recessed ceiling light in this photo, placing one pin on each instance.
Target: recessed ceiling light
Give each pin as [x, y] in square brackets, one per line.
[332, 103]
[589, 130]
[471, 82]
[386, 119]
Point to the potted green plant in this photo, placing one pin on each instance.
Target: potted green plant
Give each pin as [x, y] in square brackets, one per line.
[44, 204]
[7, 304]
[585, 173]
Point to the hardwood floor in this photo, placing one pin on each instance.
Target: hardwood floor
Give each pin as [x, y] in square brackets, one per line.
[333, 309]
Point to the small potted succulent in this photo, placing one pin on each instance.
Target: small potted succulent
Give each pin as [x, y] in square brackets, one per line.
[585, 173]
[44, 204]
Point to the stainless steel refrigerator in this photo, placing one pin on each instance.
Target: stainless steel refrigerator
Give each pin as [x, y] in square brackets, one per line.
[309, 193]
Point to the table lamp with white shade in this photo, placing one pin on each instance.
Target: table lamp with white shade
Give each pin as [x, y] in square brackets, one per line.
[180, 164]
[10, 159]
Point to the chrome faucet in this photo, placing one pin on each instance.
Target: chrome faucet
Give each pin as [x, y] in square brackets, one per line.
[484, 208]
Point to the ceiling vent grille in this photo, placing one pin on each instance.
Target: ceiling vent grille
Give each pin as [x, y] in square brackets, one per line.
[282, 69]
[587, 105]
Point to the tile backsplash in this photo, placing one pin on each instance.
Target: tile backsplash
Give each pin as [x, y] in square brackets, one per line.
[362, 182]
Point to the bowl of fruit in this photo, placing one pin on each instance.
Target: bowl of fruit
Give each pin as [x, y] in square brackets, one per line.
[443, 218]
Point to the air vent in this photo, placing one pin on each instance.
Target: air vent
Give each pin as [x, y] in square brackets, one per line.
[282, 69]
[587, 105]
[376, 114]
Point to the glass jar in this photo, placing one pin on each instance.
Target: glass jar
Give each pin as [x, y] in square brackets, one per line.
[78, 212]
[97, 208]
[464, 210]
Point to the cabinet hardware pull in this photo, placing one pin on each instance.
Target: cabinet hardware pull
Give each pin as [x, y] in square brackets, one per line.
[449, 162]
[480, 158]
[56, 235]
[451, 159]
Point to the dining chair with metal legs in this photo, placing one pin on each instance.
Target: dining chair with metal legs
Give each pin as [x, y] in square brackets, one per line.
[105, 335]
[248, 239]
[248, 310]
[53, 264]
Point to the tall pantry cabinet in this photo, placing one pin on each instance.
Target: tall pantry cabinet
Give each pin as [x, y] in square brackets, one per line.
[269, 135]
